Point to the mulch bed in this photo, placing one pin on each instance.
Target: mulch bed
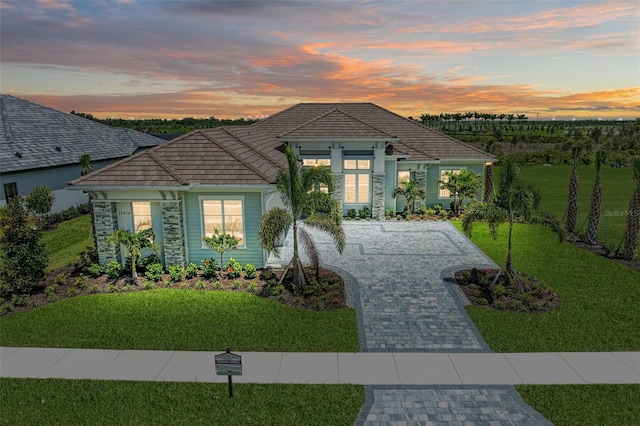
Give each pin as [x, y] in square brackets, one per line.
[602, 250]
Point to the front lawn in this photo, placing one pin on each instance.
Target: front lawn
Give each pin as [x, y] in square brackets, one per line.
[599, 297]
[66, 240]
[182, 320]
[585, 404]
[65, 402]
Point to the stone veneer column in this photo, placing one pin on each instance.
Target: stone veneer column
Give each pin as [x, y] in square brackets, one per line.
[339, 192]
[173, 233]
[421, 180]
[106, 220]
[377, 202]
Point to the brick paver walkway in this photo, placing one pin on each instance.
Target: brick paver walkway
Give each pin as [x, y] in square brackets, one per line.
[399, 272]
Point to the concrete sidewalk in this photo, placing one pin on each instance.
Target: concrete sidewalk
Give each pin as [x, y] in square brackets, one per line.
[327, 368]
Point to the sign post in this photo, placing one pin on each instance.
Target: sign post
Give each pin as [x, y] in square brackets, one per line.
[229, 364]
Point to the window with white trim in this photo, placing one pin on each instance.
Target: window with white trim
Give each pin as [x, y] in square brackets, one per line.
[403, 176]
[141, 212]
[357, 181]
[226, 215]
[10, 190]
[316, 162]
[445, 193]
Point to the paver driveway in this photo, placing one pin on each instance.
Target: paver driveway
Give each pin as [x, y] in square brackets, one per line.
[399, 273]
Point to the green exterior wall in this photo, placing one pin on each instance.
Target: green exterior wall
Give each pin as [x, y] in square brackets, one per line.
[252, 253]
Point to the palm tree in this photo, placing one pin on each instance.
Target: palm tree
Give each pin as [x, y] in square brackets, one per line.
[488, 183]
[133, 244]
[462, 185]
[572, 208]
[304, 205]
[591, 236]
[410, 190]
[633, 217]
[516, 202]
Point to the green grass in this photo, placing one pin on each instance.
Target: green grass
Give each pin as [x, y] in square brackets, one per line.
[169, 319]
[585, 404]
[65, 402]
[67, 240]
[599, 310]
[617, 188]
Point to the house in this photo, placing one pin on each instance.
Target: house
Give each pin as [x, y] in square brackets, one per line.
[224, 177]
[42, 146]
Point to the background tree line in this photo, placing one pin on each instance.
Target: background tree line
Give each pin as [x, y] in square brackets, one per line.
[169, 126]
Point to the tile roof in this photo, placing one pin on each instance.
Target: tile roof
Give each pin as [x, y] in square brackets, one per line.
[33, 136]
[335, 124]
[252, 155]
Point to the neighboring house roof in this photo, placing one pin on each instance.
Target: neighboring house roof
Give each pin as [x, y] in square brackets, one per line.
[33, 136]
[252, 155]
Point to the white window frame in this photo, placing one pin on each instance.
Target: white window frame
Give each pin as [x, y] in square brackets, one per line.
[222, 198]
[441, 192]
[311, 162]
[133, 215]
[357, 172]
[401, 180]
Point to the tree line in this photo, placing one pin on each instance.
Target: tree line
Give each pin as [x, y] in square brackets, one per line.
[168, 126]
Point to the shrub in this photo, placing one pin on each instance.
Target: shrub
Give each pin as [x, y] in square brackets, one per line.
[80, 282]
[200, 285]
[6, 308]
[351, 213]
[191, 271]
[113, 269]
[389, 213]
[218, 285]
[50, 292]
[20, 299]
[176, 273]
[94, 289]
[154, 272]
[233, 268]
[61, 279]
[72, 292]
[39, 201]
[23, 259]
[250, 271]
[209, 268]
[112, 288]
[148, 285]
[364, 212]
[236, 285]
[95, 270]
[252, 287]
[148, 260]
[272, 288]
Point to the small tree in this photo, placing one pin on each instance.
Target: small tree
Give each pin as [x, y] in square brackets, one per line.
[23, 259]
[39, 202]
[133, 244]
[221, 243]
[462, 186]
[410, 190]
[516, 202]
[304, 205]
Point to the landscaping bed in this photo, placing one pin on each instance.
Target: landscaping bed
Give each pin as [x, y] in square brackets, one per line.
[504, 294]
[325, 290]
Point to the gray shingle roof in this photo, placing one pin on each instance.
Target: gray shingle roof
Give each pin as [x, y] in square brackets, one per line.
[33, 136]
[252, 155]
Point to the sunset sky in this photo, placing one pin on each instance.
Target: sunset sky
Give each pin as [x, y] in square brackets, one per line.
[180, 58]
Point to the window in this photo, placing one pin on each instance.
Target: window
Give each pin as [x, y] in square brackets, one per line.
[316, 162]
[10, 190]
[445, 193]
[141, 216]
[226, 216]
[357, 184]
[403, 176]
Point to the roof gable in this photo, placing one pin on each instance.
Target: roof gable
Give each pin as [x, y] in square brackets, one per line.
[335, 124]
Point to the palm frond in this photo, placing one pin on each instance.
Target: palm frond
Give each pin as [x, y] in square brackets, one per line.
[549, 221]
[274, 223]
[486, 212]
[309, 246]
[327, 224]
[316, 175]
